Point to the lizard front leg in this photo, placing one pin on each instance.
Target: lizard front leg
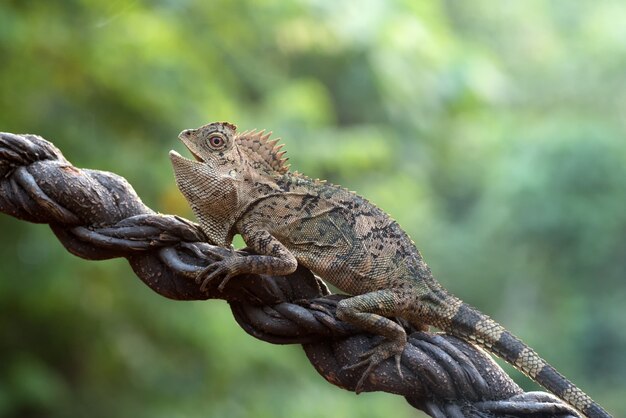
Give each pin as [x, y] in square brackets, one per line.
[366, 312]
[275, 259]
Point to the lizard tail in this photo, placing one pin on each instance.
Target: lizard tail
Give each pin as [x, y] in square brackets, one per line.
[462, 320]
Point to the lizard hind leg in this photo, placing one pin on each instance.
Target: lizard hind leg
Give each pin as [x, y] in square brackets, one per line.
[369, 312]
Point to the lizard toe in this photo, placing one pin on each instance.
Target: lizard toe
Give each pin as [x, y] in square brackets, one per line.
[374, 357]
[225, 280]
[203, 273]
[359, 386]
[210, 273]
[397, 358]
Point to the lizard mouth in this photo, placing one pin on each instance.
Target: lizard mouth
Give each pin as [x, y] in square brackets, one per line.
[175, 154]
[189, 145]
[196, 156]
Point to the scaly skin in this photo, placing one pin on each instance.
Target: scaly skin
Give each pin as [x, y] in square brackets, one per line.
[240, 183]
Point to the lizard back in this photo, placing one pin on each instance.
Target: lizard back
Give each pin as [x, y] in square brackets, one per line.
[339, 235]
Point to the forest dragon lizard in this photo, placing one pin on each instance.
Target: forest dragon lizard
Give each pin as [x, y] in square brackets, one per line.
[240, 183]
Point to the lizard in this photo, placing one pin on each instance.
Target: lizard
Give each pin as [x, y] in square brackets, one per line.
[240, 183]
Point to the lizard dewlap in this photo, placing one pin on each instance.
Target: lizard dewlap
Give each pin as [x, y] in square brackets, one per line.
[239, 183]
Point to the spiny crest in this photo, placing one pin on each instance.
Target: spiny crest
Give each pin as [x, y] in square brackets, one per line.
[259, 148]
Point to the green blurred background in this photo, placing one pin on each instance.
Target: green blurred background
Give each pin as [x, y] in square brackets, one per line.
[493, 132]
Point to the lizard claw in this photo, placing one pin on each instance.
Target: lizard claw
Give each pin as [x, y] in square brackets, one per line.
[374, 357]
[211, 272]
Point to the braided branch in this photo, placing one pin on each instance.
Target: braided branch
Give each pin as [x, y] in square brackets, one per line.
[97, 215]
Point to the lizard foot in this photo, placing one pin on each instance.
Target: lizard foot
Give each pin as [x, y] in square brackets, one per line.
[214, 271]
[374, 357]
[228, 265]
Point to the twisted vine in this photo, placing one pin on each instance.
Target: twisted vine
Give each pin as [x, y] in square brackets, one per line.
[97, 215]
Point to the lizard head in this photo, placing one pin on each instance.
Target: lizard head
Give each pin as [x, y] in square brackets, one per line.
[229, 172]
[219, 146]
[210, 144]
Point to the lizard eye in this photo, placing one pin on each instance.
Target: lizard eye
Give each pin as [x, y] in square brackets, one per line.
[216, 142]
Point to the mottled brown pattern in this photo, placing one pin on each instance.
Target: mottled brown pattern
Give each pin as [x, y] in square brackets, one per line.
[241, 184]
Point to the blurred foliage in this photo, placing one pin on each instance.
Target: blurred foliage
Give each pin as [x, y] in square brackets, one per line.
[493, 132]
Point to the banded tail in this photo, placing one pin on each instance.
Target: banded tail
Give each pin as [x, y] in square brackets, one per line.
[462, 320]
